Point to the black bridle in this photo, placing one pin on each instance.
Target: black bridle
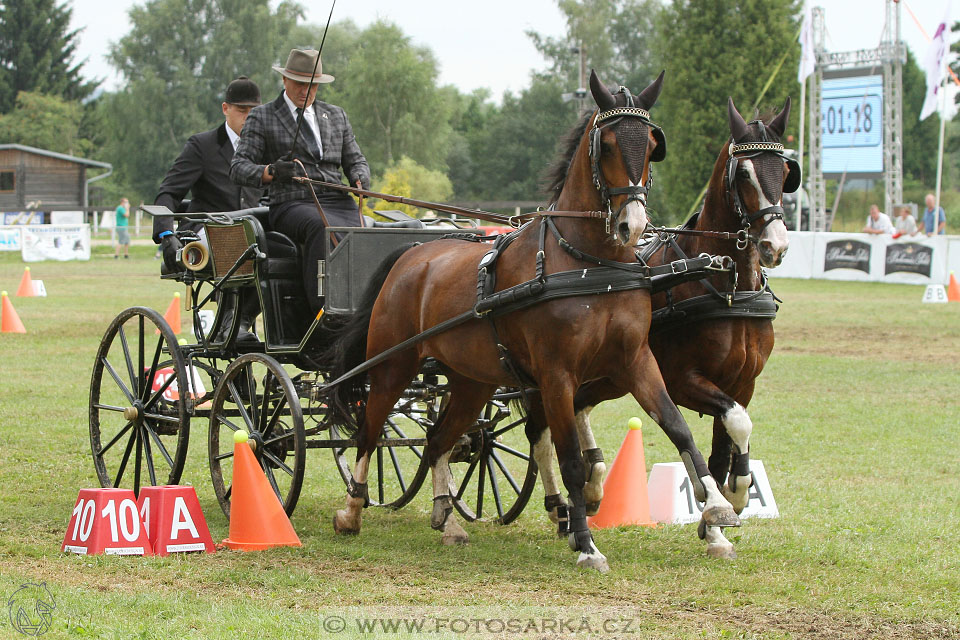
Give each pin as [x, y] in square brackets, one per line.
[637, 193]
[747, 150]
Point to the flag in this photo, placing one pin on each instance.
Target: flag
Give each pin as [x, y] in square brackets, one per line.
[808, 59]
[934, 63]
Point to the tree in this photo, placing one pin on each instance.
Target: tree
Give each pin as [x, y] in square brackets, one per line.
[410, 180]
[713, 50]
[176, 71]
[45, 122]
[619, 38]
[36, 52]
[388, 88]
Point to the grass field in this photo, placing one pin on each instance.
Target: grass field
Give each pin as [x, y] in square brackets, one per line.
[856, 419]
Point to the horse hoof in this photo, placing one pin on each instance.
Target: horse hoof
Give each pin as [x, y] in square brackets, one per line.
[721, 516]
[722, 551]
[454, 534]
[593, 507]
[341, 525]
[593, 561]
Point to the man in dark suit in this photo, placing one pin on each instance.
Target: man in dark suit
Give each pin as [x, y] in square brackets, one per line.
[266, 156]
[203, 170]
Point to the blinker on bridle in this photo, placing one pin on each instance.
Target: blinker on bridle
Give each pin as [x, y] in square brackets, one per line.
[637, 193]
[743, 151]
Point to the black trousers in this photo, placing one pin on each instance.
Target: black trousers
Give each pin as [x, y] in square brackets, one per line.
[300, 220]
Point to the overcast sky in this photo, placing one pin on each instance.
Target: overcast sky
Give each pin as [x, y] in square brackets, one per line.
[482, 44]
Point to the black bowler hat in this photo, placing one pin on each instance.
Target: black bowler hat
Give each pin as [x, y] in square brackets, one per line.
[243, 92]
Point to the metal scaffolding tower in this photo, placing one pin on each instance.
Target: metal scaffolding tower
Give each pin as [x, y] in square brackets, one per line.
[890, 55]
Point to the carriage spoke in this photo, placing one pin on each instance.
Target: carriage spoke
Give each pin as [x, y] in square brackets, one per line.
[159, 392]
[226, 422]
[140, 372]
[511, 451]
[103, 450]
[116, 378]
[396, 467]
[480, 479]
[466, 478]
[125, 459]
[286, 435]
[505, 472]
[265, 406]
[400, 434]
[278, 463]
[148, 456]
[160, 446]
[268, 471]
[151, 374]
[108, 407]
[126, 356]
[240, 406]
[275, 417]
[494, 488]
[136, 463]
[252, 391]
[223, 456]
[162, 418]
[499, 432]
[380, 474]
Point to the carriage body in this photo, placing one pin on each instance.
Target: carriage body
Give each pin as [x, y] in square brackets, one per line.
[274, 387]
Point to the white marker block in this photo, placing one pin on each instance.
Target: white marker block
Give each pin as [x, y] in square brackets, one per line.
[672, 501]
[206, 321]
[38, 289]
[935, 293]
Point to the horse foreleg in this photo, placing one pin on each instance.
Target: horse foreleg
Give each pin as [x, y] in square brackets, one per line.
[593, 462]
[652, 396]
[559, 413]
[738, 426]
[539, 437]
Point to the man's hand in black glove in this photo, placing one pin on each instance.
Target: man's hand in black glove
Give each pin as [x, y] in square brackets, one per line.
[283, 171]
[169, 245]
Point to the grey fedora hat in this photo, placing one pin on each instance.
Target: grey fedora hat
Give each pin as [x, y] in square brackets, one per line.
[300, 65]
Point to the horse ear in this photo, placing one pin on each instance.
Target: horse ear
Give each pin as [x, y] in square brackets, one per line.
[601, 94]
[738, 127]
[648, 97]
[779, 123]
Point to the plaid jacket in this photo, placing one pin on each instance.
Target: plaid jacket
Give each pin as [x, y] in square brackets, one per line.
[268, 134]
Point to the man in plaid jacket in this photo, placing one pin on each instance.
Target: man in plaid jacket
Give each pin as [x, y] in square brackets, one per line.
[265, 158]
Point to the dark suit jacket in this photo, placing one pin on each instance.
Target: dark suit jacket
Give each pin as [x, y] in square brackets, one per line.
[203, 170]
[268, 134]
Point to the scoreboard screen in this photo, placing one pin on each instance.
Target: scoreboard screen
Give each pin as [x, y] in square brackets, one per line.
[852, 110]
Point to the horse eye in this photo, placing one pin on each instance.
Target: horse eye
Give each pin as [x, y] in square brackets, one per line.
[606, 148]
[743, 174]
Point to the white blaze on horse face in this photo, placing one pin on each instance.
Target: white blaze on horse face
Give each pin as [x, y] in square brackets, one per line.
[632, 222]
[773, 241]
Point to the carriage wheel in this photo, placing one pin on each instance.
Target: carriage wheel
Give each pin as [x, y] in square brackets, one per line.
[493, 468]
[255, 393]
[397, 467]
[139, 427]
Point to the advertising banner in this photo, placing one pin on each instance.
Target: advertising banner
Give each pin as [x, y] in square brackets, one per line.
[55, 242]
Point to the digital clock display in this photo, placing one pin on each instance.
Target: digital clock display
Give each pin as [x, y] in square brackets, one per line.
[852, 110]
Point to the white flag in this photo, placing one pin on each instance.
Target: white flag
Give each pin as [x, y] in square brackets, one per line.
[934, 63]
[808, 59]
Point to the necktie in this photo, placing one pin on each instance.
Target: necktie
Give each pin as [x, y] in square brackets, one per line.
[309, 138]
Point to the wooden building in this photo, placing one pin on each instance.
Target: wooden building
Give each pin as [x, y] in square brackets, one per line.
[32, 178]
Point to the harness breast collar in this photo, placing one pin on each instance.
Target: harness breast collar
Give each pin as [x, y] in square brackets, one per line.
[637, 193]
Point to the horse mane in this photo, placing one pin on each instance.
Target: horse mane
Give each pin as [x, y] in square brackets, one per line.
[555, 175]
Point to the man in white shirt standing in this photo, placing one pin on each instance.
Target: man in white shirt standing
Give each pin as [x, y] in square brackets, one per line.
[878, 222]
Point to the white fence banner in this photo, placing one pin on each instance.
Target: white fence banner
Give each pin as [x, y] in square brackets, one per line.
[56, 242]
[9, 238]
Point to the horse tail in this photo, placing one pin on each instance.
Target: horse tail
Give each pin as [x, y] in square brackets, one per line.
[347, 347]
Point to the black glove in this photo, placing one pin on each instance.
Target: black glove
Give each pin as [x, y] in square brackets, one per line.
[283, 171]
[170, 245]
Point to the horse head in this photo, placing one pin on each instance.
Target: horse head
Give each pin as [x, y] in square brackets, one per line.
[623, 142]
[757, 174]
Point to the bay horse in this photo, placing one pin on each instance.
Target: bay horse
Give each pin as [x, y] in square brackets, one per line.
[710, 364]
[556, 344]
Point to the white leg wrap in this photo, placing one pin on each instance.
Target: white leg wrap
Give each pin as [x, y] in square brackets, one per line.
[593, 489]
[739, 426]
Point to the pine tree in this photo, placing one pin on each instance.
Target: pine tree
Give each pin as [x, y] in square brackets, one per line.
[37, 49]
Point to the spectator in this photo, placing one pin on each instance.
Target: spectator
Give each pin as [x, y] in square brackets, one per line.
[877, 222]
[906, 223]
[928, 218]
[123, 229]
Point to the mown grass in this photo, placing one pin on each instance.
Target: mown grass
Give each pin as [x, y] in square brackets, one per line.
[856, 419]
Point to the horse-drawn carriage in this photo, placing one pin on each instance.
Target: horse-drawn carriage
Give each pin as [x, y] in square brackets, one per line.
[556, 315]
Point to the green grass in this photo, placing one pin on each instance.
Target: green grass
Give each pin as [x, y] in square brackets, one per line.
[856, 419]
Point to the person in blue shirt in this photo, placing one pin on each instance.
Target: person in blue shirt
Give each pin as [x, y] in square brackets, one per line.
[928, 218]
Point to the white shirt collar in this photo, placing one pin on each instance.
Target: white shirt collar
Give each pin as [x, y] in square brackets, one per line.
[308, 117]
[232, 136]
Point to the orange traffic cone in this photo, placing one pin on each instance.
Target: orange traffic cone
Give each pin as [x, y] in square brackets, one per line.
[26, 285]
[9, 320]
[625, 500]
[953, 290]
[172, 316]
[257, 519]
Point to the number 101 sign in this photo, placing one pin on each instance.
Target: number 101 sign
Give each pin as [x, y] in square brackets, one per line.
[106, 521]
